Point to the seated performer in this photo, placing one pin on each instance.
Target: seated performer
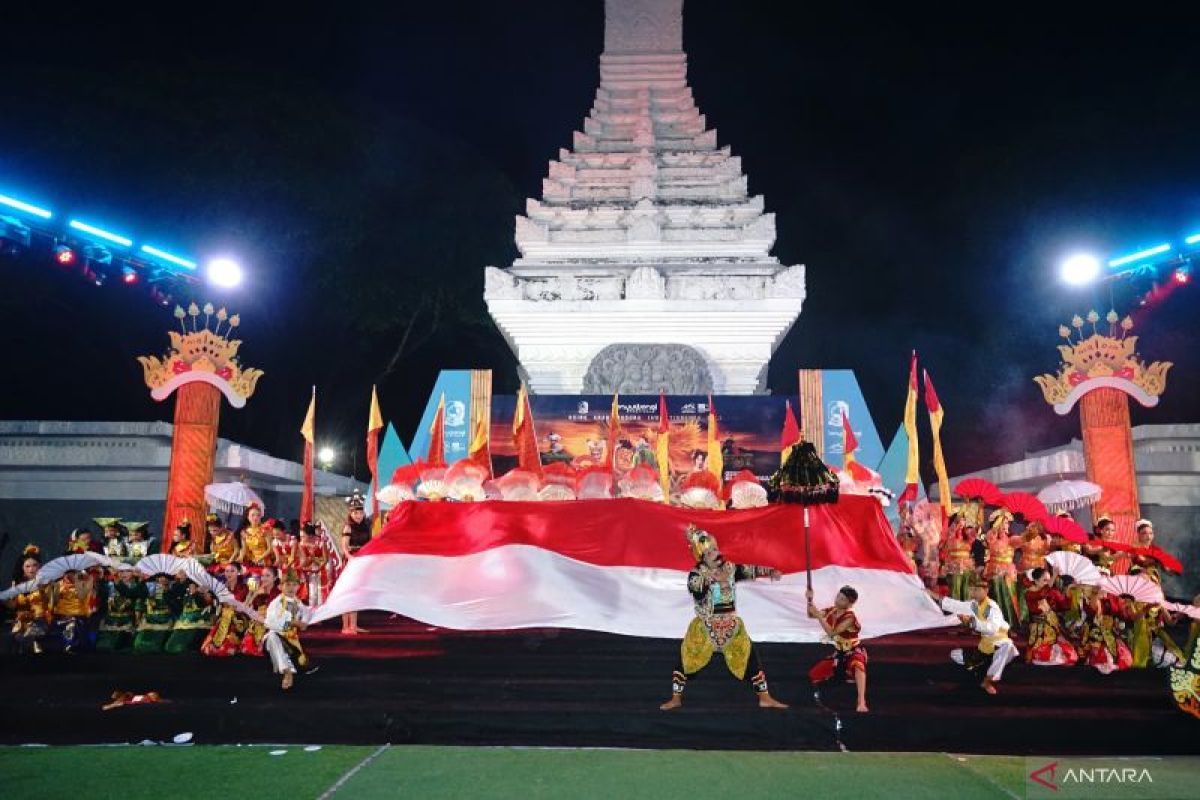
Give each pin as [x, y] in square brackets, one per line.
[31, 611]
[983, 616]
[1100, 643]
[71, 604]
[125, 593]
[849, 657]
[283, 545]
[158, 615]
[1048, 645]
[114, 540]
[225, 636]
[182, 545]
[256, 544]
[285, 618]
[717, 628]
[192, 624]
[80, 541]
[262, 590]
[222, 543]
[1149, 641]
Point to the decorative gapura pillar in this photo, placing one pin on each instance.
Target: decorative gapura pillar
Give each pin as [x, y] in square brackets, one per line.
[1101, 372]
[202, 365]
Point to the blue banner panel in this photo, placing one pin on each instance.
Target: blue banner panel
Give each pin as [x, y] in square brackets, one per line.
[840, 393]
[456, 386]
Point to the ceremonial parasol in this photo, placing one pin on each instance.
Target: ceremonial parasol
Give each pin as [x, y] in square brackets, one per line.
[19, 589]
[76, 562]
[1069, 495]
[805, 479]
[979, 489]
[164, 563]
[1025, 504]
[1132, 587]
[1080, 568]
[231, 498]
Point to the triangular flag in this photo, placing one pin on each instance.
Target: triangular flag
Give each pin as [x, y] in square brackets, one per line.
[716, 463]
[849, 440]
[912, 472]
[436, 456]
[308, 431]
[479, 450]
[791, 435]
[524, 435]
[662, 448]
[614, 433]
[939, 459]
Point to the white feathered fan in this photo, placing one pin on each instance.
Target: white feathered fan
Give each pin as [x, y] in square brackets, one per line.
[1080, 568]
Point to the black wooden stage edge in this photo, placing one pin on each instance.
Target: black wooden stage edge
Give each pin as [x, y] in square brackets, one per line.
[408, 684]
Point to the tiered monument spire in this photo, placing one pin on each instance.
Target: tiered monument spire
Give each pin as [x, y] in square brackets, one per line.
[646, 265]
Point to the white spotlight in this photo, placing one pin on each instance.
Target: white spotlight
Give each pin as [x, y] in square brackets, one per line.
[224, 272]
[1080, 269]
[326, 456]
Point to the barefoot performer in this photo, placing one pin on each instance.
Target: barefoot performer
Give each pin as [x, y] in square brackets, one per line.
[849, 657]
[983, 616]
[717, 628]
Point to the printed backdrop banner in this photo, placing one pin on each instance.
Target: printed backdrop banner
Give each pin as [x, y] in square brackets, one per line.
[574, 429]
[841, 393]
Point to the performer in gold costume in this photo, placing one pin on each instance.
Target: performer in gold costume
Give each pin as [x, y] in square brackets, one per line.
[717, 628]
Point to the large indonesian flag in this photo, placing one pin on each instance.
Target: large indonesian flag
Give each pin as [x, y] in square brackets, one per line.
[621, 566]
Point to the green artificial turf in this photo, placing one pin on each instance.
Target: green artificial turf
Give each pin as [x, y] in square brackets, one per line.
[163, 773]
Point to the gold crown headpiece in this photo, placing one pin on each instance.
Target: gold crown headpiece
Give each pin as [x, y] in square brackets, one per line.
[700, 541]
[201, 352]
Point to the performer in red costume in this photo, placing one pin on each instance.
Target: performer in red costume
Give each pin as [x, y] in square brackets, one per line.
[1048, 645]
[1101, 645]
[262, 591]
[849, 657]
[225, 636]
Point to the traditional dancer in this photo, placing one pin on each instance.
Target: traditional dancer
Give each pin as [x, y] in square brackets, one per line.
[125, 593]
[283, 545]
[1096, 550]
[158, 615]
[1149, 641]
[80, 541]
[355, 533]
[1101, 645]
[114, 539]
[263, 589]
[983, 616]
[71, 605]
[193, 622]
[225, 636]
[139, 544]
[222, 543]
[849, 657]
[285, 618]
[958, 566]
[31, 611]
[256, 543]
[313, 563]
[1048, 645]
[999, 570]
[182, 545]
[717, 628]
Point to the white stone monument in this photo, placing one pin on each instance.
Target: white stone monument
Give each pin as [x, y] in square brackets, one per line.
[646, 264]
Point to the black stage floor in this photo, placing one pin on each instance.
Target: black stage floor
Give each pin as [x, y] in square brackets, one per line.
[406, 683]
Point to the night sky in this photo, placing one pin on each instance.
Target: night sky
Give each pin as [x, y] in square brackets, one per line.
[929, 171]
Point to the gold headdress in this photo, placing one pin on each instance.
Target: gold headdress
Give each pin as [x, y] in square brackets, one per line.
[700, 541]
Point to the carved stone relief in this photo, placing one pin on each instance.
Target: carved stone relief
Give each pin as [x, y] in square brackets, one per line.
[648, 369]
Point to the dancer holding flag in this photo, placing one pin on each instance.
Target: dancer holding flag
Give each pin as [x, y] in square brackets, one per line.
[849, 657]
[716, 627]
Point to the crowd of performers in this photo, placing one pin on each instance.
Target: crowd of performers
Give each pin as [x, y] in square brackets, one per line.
[269, 577]
[1003, 584]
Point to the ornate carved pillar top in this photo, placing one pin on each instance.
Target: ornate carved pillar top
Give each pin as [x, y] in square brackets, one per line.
[643, 26]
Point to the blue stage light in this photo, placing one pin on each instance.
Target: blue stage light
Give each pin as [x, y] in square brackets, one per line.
[165, 256]
[1193, 239]
[101, 233]
[21, 205]
[1139, 255]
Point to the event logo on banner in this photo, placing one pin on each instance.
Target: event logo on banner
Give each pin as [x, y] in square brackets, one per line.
[841, 393]
[455, 384]
[574, 429]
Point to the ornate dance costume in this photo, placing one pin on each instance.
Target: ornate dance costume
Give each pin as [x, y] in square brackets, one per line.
[848, 653]
[71, 606]
[999, 570]
[1048, 645]
[283, 549]
[256, 548]
[120, 615]
[252, 641]
[958, 566]
[138, 548]
[225, 636]
[716, 627]
[192, 624]
[1149, 628]
[995, 649]
[314, 564]
[158, 617]
[31, 619]
[1101, 645]
[223, 546]
[282, 641]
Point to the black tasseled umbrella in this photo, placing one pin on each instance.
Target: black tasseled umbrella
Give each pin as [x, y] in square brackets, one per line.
[803, 478]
